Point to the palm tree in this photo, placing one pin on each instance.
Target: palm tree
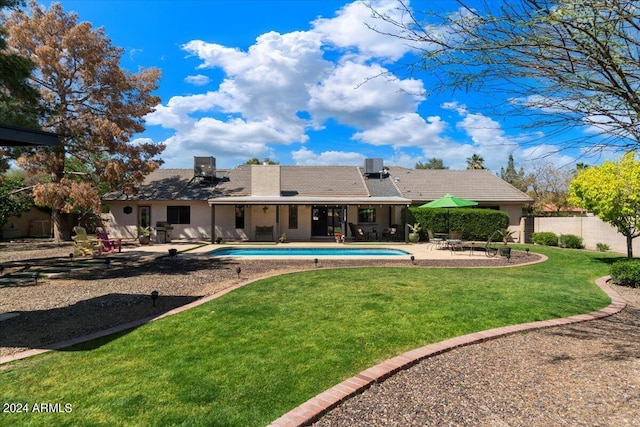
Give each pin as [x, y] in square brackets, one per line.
[475, 162]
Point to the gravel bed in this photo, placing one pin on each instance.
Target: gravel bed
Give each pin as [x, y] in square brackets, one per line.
[579, 375]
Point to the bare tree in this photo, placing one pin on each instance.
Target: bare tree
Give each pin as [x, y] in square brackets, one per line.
[562, 64]
[91, 102]
[549, 186]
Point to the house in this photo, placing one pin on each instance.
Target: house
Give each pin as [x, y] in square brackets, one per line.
[262, 202]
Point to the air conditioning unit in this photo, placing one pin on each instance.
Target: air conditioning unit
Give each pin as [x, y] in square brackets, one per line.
[204, 167]
[373, 167]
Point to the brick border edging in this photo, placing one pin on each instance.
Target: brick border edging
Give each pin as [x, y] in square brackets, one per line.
[316, 407]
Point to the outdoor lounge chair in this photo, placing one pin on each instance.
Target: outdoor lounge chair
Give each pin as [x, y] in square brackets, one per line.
[108, 244]
[356, 232]
[82, 244]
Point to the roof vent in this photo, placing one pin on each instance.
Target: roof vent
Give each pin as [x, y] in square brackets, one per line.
[373, 167]
[204, 167]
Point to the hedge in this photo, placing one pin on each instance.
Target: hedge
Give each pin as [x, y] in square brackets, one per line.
[475, 224]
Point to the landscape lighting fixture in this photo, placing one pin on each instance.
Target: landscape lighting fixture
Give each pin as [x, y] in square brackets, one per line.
[238, 271]
[413, 260]
[154, 297]
[315, 262]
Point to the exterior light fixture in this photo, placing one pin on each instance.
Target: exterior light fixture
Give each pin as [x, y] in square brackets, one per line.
[35, 277]
[527, 251]
[238, 271]
[315, 262]
[154, 297]
[508, 255]
[71, 256]
[413, 260]
[173, 252]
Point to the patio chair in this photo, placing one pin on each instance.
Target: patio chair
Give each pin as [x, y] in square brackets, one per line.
[390, 233]
[356, 232]
[108, 245]
[82, 244]
[455, 242]
[434, 241]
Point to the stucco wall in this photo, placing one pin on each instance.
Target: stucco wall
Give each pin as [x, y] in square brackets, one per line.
[592, 230]
[34, 223]
[122, 225]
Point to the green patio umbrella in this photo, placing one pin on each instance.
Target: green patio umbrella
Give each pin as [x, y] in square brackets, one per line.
[449, 201]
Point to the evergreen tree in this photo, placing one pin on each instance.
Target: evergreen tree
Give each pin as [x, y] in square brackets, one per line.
[513, 177]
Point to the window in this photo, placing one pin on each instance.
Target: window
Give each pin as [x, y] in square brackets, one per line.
[366, 215]
[179, 214]
[293, 217]
[239, 216]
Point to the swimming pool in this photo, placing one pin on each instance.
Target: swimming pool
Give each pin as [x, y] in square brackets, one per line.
[301, 251]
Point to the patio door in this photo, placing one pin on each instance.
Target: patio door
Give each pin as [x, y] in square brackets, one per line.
[326, 220]
[144, 216]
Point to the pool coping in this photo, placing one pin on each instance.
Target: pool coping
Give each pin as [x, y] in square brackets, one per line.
[404, 255]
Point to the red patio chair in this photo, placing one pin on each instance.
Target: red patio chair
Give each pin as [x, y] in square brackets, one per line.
[108, 244]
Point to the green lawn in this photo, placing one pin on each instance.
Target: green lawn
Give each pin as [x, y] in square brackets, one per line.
[252, 355]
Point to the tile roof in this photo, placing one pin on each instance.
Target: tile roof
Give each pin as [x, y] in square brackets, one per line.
[323, 181]
[424, 185]
[168, 184]
[419, 185]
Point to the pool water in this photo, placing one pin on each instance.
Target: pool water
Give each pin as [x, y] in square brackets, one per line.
[308, 252]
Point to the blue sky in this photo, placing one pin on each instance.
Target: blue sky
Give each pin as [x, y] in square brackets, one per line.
[295, 82]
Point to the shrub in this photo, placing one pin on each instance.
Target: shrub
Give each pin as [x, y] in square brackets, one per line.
[475, 224]
[602, 247]
[570, 241]
[626, 273]
[546, 238]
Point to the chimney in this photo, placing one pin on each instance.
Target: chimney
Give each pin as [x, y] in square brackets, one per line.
[265, 180]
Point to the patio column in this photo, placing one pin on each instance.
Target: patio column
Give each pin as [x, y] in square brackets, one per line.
[406, 224]
[213, 223]
[277, 236]
[343, 226]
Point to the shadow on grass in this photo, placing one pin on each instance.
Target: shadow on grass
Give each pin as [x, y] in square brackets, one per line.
[610, 260]
[44, 328]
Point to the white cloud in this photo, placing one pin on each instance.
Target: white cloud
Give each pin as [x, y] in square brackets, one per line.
[409, 130]
[198, 80]
[350, 29]
[363, 95]
[304, 156]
